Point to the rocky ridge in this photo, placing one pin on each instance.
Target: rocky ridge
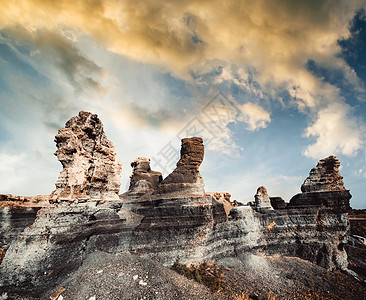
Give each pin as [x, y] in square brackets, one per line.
[178, 221]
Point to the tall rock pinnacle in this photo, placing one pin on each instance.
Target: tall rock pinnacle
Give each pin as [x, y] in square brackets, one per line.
[91, 166]
[186, 177]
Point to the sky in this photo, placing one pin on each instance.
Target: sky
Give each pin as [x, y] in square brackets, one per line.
[271, 86]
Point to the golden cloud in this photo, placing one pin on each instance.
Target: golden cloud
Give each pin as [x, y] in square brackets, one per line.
[273, 39]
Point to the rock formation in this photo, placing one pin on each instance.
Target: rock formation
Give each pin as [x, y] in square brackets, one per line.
[262, 201]
[223, 198]
[179, 222]
[91, 167]
[186, 177]
[323, 188]
[325, 177]
[143, 180]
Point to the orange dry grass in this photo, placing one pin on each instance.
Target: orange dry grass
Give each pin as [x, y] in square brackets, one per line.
[2, 255]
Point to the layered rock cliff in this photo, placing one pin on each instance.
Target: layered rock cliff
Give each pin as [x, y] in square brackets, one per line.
[176, 222]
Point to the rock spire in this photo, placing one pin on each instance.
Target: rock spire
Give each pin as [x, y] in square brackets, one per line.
[186, 178]
[91, 166]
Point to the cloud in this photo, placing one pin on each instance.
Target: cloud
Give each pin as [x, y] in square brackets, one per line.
[52, 48]
[260, 47]
[273, 41]
[254, 116]
[335, 132]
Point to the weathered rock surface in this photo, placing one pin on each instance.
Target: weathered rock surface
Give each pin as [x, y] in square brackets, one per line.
[186, 178]
[179, 222]
[223, 198]
[16, 213]
[127, 276]
[323, 188]
[91, 167]
[325, 177]
[143, 180]
[262, 201]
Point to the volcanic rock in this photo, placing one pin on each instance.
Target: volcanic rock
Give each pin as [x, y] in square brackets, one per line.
[325, 177]
[143, 179]
[91, 166]
[186, 178]
[262, 201]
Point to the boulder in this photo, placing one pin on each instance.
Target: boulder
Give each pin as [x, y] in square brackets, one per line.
[91, 166]
[223, 198]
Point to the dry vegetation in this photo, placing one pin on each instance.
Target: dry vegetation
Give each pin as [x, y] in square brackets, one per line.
[2, 255]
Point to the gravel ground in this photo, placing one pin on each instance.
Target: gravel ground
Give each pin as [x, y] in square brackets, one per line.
[106, 276]
[288, 278]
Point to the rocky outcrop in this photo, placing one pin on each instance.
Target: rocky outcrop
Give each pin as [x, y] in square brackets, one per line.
[143, 180]
[262, 201]
[91, 167]
[325, 177]
[323, 188]
[178, 222]
[223, 198]
[186, 178]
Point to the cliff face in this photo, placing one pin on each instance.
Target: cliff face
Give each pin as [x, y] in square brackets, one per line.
[177, 222]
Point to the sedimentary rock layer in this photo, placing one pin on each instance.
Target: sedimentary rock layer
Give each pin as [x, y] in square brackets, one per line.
[91, 166]
[325, 177]
[179, 222]
[187, 229]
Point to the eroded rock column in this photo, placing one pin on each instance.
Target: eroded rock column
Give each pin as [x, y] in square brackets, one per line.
[186, 178]
[262, 201]
[323, 188]
[91, 166]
